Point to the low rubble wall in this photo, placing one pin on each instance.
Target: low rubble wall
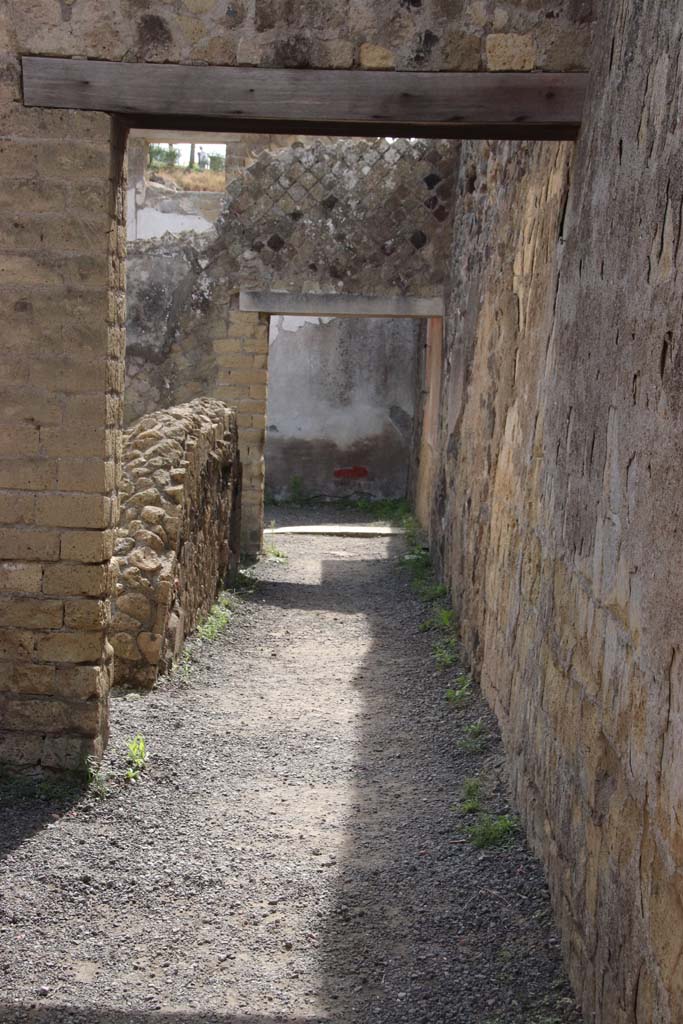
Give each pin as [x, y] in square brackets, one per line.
[178, 537]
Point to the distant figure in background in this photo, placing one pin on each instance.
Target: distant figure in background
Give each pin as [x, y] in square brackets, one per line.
[202, 159]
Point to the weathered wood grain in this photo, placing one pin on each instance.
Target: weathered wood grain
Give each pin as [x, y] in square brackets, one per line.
[445, 104]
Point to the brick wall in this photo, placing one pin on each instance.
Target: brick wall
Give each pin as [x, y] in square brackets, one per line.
[241, 356]
[61, 292]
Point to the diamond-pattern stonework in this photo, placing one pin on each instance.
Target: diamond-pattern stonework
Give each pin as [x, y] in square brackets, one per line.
[333, 216]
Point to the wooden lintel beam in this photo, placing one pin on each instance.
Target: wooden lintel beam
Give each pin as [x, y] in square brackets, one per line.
[507, 105]
[316, 304]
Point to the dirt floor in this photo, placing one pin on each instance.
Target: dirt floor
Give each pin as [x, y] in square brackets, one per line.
[295, 850]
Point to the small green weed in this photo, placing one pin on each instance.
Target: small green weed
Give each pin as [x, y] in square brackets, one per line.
[419, 564]
[98, 780]
[183, 665]
[460, 693]
[297, 494]
[394, 510]
[493, 830]
[471, 797]
[217, 619]
[475, 738]
[446, 653]
[433, 591]
[270, 551]
[445, 650]
[442, 619]
[137, 757]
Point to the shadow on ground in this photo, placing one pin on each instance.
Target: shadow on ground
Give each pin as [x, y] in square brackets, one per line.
[421, 927]
[30, 804]
[78, 1015]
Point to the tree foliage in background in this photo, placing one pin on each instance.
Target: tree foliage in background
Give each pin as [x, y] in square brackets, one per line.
[216, 162]
[163, 156]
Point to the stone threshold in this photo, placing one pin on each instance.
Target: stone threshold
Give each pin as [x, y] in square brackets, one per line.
[336, 530]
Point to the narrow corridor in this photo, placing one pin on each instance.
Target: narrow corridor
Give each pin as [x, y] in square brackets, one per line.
[295, 851]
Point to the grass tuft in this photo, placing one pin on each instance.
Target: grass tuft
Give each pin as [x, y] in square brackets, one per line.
[217, 619]
[475, 738]
[471, 797]
[270, 551]
[493, 831]
[136, 758]
[461, 692]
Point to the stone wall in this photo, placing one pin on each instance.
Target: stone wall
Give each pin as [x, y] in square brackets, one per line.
[358, 216]
[340, 406]
[154, 208]
[178, 538]
[354, 217]
[320, 216]
[61, 374]
[416, 35]
[555, 508]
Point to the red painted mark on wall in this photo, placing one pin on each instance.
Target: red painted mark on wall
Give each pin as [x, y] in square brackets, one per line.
[351, 472]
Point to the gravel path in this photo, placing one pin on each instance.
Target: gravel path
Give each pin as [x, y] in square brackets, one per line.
[294, 852]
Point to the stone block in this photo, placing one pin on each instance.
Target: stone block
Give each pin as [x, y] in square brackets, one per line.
[16, 645]
[125, 647]
[24, 407]
[75, 510]
[69, 753]
[137, 606]
[89, 475]
[31, 613]
[29, 544]
[16, 507]
[228, 346]
[373, 57]
[150, 646]
[461, 51]
[86, 614]
[49, 716]
[72, 579]
[68, 440]
[70, 647]
[18, 438]
[81, 682]
[27, 474]
[510, 52]
[87, 546]
[20, 748]
[20, 577]
[31, 679]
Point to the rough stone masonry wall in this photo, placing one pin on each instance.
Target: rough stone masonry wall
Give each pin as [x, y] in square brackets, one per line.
[178, 537]
[414, 35]
[556, 509]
